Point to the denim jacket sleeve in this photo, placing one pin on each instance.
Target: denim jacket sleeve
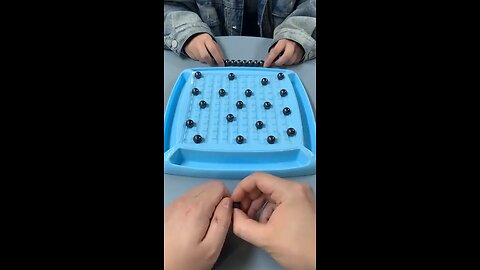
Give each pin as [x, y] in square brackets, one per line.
[180, 23]
[300, 26]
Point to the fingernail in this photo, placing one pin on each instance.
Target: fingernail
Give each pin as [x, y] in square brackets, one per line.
[226, 204]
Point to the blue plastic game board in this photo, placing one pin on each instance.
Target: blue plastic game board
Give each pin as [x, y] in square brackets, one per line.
[209, 133]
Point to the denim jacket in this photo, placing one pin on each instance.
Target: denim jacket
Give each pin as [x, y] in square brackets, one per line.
[278, 19]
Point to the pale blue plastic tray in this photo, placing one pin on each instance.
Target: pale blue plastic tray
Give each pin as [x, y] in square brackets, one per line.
[219, 155]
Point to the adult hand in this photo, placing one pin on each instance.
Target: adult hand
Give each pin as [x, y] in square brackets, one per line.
[203, 48]
[196, 225]
[287, 51]
[286, 227]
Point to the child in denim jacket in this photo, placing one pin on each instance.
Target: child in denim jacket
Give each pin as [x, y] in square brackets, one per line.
[191, 25]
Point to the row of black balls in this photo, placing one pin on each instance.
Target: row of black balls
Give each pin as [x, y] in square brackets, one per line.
[267, 105]
[240, 139]
[243, 63]
[248, 92]
[231, 76]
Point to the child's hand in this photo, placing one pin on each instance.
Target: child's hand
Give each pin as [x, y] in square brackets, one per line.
[287, 51]
[203, 48]
[196, 225]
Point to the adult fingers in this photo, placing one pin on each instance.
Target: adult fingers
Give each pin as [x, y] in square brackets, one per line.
[267, 212]
[215, 236]
[255, 206]
[276, 188]
[248, 229]
[213, 49]
[279, 47]
[206, 197]
[287, 55]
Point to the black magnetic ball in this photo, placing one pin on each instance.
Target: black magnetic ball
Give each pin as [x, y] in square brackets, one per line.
[189, 123]
[259, 124]
[267, 105]
[280, 76]
[283, 92]
[222, 92]
[261, 62]
[236, 205]
[286, 111]
[264, 81]
[197, 138]
[240, 139]
[226, 62]
[271, 139]
[230, 117]
[255, 63]
[231, 76]
[291, 132]
[198, 74]
[195, 91]
[248, 93]
[239, 104]
[203, 104]
[250, 63]
[239, 63]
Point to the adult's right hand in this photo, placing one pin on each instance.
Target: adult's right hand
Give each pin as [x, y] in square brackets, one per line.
[203, 48]
[287, 225]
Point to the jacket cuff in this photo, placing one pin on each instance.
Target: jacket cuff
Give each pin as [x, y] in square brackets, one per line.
[308, 43]
[175, 41]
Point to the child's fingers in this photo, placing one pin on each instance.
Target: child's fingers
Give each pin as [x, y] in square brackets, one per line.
[274, 53]
[213, 49]
[287, 55]
[205, 55]
[220, 50]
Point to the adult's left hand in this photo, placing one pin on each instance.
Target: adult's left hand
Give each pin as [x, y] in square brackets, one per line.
[196, 225]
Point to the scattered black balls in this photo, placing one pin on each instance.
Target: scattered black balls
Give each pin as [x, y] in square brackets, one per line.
[197, 138]
[203, 104]
[280, 76]
[287, 111]
[264, 81]
[283, 92]
[231, 76]
[271, 139]
[222, 92]
[189, 123]
[259, 124]
[267, 105]
[198, 74]
[230, 117]
[239, 104]
[291, 132]
[195, 91]
[240, 139]
[248, 93]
